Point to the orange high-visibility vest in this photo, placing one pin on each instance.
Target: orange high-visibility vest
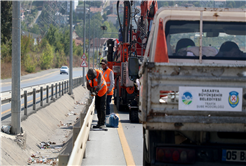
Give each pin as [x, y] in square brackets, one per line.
[103, 89]
[107, 79]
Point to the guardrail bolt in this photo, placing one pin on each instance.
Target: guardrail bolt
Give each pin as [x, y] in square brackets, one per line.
[34, 99]
[47, 94]
[41, 96]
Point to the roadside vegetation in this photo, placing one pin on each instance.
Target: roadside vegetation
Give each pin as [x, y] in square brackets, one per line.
[51, 50]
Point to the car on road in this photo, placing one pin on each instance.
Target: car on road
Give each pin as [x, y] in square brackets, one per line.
[64, 69]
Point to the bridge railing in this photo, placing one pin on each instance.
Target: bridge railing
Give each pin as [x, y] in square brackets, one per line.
[53, 89]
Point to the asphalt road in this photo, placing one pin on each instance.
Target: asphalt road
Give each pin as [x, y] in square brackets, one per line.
[42, 77]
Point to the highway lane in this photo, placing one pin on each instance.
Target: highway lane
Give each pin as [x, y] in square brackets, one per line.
[42, 77]
[134, 135]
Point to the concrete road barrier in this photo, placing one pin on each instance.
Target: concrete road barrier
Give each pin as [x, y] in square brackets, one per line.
[78, 151]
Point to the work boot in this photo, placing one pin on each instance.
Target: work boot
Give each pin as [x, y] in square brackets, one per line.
[97, 126]
[102, 127]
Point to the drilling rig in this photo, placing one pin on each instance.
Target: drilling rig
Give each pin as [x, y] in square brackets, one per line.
[132, 43]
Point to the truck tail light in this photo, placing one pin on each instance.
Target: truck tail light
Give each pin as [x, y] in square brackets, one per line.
[175, 155]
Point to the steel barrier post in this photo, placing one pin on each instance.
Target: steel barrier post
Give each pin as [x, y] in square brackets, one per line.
[41, 96]
[47, 94]
[52, 91]
[62, 89]
[34, 99]
[59, 89]
[0, 110]
[25, 102]
[56, 90]
[67, 86]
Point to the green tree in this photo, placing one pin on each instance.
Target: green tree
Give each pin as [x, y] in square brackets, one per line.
[26, 44]
[65, 40]
[114, 30]
[47, 57]
[79, 51]
[105, 16]
[106, 23]
[24, 26]
[6, 51]
[35, 29]
[79, 30]
[60, 59]
[53, 35]
[6, 21]
[30, 63]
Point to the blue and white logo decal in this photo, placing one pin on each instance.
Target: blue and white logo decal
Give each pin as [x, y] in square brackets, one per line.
[187, 98]
[233, 99]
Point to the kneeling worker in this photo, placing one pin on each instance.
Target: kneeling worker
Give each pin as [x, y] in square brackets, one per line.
[108, 75]
[96, 84]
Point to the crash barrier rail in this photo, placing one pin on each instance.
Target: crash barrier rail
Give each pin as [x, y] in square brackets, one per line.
[79, 147]
[54, 90]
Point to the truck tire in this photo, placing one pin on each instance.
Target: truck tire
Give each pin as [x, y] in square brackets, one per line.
[118, 97]
[115, 97]
[133, 113]
[145, 155]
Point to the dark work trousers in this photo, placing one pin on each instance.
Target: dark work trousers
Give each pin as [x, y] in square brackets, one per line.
[101, 109]
[109, 97]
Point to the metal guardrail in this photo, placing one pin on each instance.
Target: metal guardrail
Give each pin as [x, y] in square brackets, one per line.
[53, 89]
[78, 151]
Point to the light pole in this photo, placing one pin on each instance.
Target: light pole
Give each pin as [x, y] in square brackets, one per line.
[93, 43]
[89, 36]
[84, 46]
[16, 68]
[71, 50]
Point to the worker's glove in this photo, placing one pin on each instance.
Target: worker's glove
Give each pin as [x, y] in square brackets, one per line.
[93, 94]
[97, 88]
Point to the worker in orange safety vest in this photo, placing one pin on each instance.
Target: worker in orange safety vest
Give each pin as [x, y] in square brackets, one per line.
[97, 85]
[108, 75]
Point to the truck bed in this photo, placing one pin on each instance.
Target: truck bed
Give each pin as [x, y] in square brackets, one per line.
[159, 102]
